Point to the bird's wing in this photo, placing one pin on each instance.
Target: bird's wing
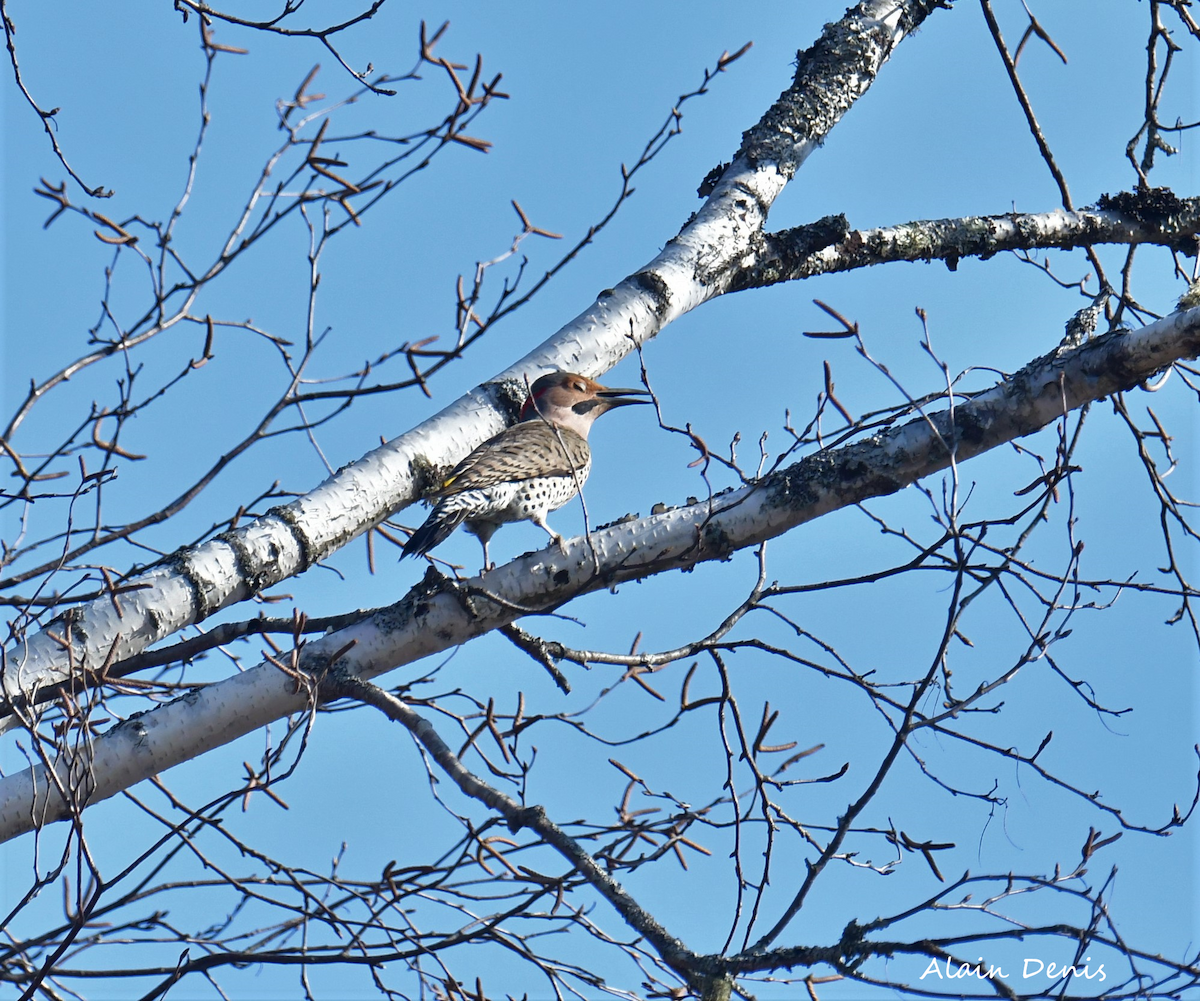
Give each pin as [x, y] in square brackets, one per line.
[521, 452]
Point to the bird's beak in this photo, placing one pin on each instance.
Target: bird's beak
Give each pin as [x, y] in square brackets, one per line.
[619, 397]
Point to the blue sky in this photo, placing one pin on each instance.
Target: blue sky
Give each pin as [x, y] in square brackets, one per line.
[939, 135]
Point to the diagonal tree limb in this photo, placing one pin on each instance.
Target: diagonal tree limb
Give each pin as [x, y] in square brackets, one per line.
[695, 266]
[438, 614]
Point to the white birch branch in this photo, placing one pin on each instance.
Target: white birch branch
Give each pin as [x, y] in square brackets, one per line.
[437, 615]
[694, 266]
[1156, 217]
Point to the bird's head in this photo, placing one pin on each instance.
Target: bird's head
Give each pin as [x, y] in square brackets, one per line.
[574, 401]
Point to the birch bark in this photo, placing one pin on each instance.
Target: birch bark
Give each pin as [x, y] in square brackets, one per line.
[696, 265]
[434, 616]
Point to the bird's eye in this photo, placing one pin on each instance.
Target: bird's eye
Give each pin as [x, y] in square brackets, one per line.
[579, 387]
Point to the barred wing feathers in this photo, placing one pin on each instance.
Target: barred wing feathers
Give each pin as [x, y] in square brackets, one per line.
[525, 451]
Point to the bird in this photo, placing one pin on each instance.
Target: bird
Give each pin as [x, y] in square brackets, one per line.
[527, 470]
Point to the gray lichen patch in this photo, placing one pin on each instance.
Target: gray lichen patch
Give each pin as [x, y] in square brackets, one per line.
[426, 474]
[180, 565]
[717, 542]
[508, 396]
[289, 515]
[658, 290]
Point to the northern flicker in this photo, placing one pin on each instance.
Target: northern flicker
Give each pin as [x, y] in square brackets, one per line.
[527, 470]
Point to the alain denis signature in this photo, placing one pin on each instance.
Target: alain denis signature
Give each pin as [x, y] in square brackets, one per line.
[950, 970]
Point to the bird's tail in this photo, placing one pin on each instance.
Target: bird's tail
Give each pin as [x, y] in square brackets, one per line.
[436, 529]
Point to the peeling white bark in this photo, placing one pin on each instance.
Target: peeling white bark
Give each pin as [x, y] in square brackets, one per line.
[430, 619]
[694, 266]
